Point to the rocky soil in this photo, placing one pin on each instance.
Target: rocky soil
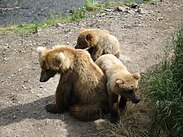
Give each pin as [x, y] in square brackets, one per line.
[143, 33]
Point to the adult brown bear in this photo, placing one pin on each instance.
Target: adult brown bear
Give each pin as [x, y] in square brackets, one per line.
[82, 86]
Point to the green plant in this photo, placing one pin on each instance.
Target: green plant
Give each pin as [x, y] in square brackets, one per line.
[91, 5]
[165, 90]
[78, 14]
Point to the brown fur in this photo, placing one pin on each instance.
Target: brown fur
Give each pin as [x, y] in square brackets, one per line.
[82, 86]
[98, 42]
[120, 83]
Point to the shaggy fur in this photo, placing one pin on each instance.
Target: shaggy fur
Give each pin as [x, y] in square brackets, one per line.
[82, 86]
[120, 83]
[98, 42]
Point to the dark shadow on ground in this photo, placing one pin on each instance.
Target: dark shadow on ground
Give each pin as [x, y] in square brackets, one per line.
[36, 110]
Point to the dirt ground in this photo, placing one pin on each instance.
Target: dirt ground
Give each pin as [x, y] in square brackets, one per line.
[143, 34]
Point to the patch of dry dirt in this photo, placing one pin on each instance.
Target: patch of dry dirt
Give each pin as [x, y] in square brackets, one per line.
[142, 36]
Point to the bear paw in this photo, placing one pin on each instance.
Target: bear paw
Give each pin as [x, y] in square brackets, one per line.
[114, 120]
[53, 108]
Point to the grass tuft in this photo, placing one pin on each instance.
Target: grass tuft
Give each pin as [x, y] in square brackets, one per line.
[160, 112]
[165, 85]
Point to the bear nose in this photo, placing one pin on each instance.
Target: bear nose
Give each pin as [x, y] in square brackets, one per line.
[76, 47]
[42, 80]
[136, 100]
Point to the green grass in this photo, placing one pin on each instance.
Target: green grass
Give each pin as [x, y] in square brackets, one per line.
[165, 86]
[30, 28]
[92, 6]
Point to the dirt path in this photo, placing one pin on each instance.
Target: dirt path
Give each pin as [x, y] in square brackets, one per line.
[23, 98]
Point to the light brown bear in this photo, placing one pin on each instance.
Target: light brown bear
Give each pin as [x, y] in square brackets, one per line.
[98, 42]
[82, 86]
[120, 83]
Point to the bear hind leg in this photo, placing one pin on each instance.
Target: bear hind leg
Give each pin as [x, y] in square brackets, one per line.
[86, 112]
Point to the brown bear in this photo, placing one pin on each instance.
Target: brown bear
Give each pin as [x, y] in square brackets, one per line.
[120, 83]
[82, 86]
[98, 42]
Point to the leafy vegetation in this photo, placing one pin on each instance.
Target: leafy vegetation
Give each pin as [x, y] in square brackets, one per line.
[165, 86]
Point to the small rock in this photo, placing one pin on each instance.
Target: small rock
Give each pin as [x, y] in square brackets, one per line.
[36, 62]
[14, 116]
[134, 6]
[101, 15]
[108, 10]
[5, 59]
[5, 48]
[159, 18]
[141, 11]
[131, 11]
[41, 86]
[59, 25]
[24, 87]
[33, 68]
[127, 26]
[68, 30]
[121, 9]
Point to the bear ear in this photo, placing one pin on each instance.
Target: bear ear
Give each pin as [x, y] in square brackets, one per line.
[61, 56]
[81, 29]
[41, 49]
[136, 76]
[89, 37]
[119, 82]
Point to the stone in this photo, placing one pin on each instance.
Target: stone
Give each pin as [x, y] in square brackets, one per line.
[59, 25]
[121, 9]
[134, 6]
[141, 11]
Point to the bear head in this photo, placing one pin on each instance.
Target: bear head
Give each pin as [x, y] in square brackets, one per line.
[87, 38]
[51, 62]
[127, 86]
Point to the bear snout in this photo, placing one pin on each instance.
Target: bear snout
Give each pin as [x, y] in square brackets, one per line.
[136, 100]
[76, 47]
[42, 80]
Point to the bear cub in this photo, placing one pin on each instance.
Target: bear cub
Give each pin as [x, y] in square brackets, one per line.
[98, 42]
[120, 83]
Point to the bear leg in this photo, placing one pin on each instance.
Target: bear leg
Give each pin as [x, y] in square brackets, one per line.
[63, 97]
[113, 104]
[96, 53]
[122, 103]
[86, 112]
